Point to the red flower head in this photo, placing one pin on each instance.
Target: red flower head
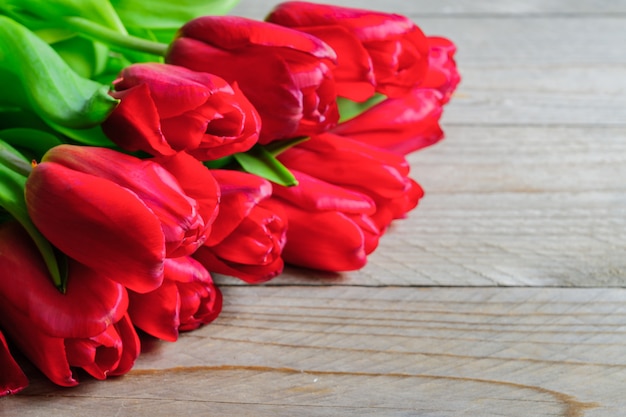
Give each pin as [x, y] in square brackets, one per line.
[87, 327]
[12, 379]
[443, 74]
[167, 108]
[329, 226]
[186, 300]
[375, 172]
[286, 74]
[119, 214]
[389, 45]
[402, 125]
[247, 238]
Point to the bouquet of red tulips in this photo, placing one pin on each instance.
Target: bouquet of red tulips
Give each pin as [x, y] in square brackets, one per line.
[141, 151]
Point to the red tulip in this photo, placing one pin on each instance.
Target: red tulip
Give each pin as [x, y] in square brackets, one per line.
[402, 125]
[397, 48]
[286, 74]
[12, 379]
[186, 300]
[329, 226]
[116, 213]
[87, 327]
[247, 238]
[375, 172]
[442, 74]
[167, 108]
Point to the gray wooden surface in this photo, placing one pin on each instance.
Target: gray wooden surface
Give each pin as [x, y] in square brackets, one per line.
[502, 294]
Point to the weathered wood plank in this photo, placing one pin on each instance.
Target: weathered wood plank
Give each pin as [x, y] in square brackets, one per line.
[375, 352]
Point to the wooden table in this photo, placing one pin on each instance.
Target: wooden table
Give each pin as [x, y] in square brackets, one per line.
[501, 295]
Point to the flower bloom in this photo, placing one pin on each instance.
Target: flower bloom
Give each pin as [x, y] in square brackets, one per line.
[12, 378]
[286, 74]
[395, 46]
[87, 327]
[247, 238]
[442, 74]
[402, 125]
[119, 214]
[186, 300]
[379, 174]
[329, 227]
[166, 108]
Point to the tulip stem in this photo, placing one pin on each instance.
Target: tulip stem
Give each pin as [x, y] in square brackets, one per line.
[94, 31]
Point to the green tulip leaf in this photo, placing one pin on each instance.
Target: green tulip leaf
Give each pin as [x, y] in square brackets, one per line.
[167, 14]
[45, 14]
[349, 109]
[279, 146]
[32, 74]
[33, 143]
[14, 169]
[90, 137]
[86, 57]
[259, 161]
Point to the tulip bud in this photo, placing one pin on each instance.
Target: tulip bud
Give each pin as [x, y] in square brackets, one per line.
[286, 74]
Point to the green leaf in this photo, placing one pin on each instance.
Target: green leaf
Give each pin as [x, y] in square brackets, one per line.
[86, 58]
[349, 109]
[36, 76]
[12, 184]
[90, 137]
[32, 142]
[167, 14]
[279, 146]
[259, 161]
[11, 117]
[115, 40]
[44, 14]
[219, 163]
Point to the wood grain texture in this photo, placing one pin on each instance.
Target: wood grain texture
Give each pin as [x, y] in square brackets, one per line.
[327, 351]
[503, 294]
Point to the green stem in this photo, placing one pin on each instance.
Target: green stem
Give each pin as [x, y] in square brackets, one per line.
[14, 171]
[97, 32]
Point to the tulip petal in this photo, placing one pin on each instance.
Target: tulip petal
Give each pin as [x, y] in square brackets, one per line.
[98, 223]
[131, 346]
[197, 182]
[97, 355]
[397, 47]
[252, 274]
[280, 109]
[178, 214]
[327, 240]
[258, 239]
[316, 195]
[202, 304]
[354, 75]
[233, 32]
[91, 303]
[12, 378]
[46, 352]
[401, 125]
[442, 72]
[240, 192]
[135, 125]
[175, 90]
[157, 312]
[350, 163]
